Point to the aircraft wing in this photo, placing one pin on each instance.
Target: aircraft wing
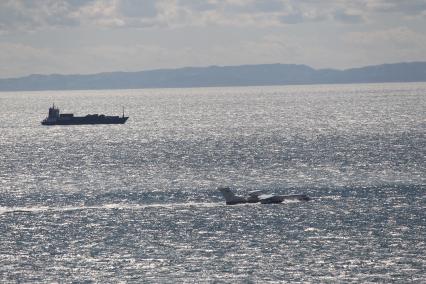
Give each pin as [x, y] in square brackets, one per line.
[270, 198]
[301, 197]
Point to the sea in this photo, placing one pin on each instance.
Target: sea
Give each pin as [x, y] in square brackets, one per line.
[138, 203]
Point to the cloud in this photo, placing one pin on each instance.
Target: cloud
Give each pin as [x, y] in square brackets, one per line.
[26, 15]
[137, 8]
[349, 17]
[411, 7]
[30, 15]
[107, 35]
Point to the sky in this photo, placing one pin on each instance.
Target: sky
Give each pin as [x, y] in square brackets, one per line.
[93, 36]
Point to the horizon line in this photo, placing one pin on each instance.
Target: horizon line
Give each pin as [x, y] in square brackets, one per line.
[204, 67]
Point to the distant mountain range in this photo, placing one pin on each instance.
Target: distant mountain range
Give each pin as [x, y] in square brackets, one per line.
[215, 76]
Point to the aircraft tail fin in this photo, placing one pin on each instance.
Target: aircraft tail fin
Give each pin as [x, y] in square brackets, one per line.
[230, 197]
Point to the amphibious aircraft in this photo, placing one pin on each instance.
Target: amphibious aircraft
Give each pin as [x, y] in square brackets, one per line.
[258, 197]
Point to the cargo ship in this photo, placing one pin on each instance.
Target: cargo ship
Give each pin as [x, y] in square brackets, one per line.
[56, 118]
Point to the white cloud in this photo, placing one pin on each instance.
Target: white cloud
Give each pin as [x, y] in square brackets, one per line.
[409, 7]
[347, 16]
[87, 36]
[31, 14]
[27, 15]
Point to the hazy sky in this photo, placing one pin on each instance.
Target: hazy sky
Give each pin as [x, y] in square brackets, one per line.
[90, 36]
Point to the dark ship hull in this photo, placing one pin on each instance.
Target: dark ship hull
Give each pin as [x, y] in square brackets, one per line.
[55, 118]
[85, 120]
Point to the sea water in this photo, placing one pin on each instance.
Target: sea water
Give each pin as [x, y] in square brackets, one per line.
[138, 202]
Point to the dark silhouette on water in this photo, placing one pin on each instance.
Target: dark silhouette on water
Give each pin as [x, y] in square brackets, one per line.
[258, 197]
[55, 118]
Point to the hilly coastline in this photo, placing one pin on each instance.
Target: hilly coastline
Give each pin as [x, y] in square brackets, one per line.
[217, 76]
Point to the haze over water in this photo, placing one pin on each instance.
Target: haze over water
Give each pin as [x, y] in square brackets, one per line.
[138, 202]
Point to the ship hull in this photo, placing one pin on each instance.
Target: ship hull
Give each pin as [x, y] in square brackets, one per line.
[85, 120]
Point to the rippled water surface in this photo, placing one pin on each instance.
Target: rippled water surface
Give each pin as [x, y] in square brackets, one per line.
[137, 202]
